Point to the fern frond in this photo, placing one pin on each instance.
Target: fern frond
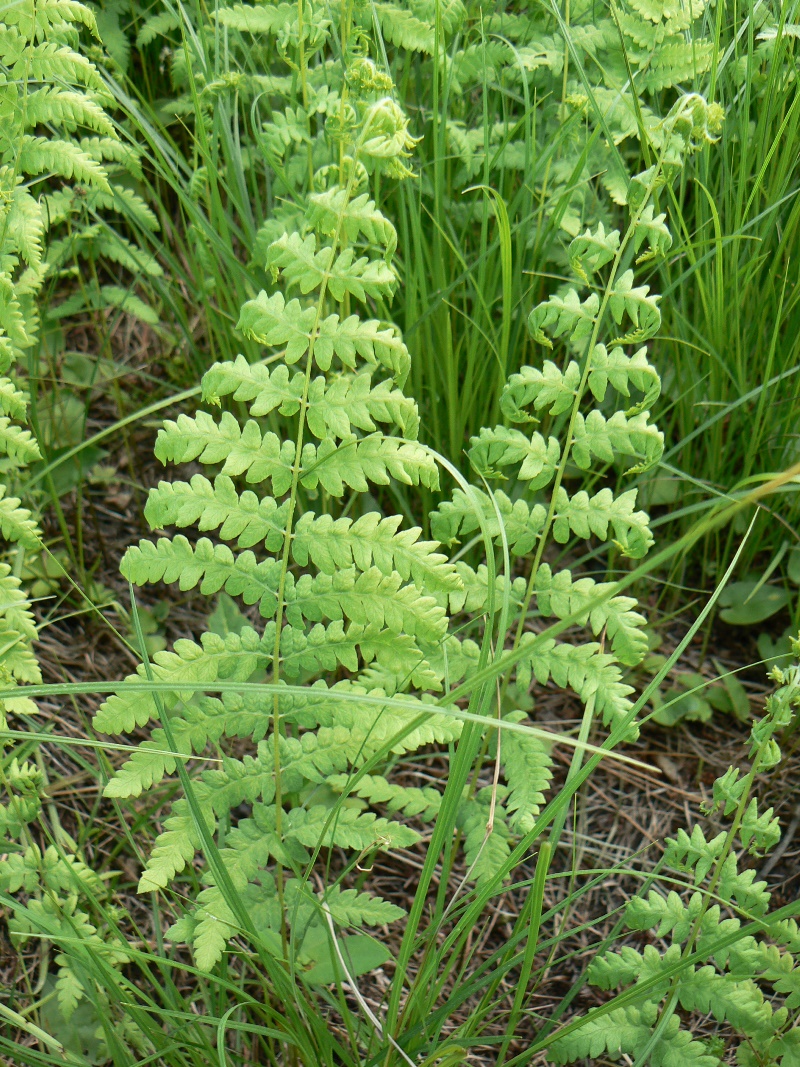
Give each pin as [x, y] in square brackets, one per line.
[410, 800]
[583, 516]
[331, 209]
[560, 595]
[331, 408]
[521, 522]
[584, 669]
[527, 767]
[18, 444]
[502, 447]
[42, 154]
[16, 523]
[244, 517]
[274, 321]
[302, 264]
[335, 544]
[246, 18]
[66, 108]
[234, 657]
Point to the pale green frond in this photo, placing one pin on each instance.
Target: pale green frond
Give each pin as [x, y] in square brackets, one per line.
[561, 596]
[402, 28]
[243, 517]
[424, 803]
[473, 597]
[16, 523]
[629, 1030]
[332, 408]
[211, 566]
[335, 544]
[635, 302]
[367, 597]
[521, 523]
[501, 447]
[527, 767]
[549, 388]
[564, 316]
[352, 462]
[247, 18]
[66, 108]
[348, 828]
[605, 439]
[619, 371]
[157, 26]
[39, 155]
[349, 907]
[234, 657]
[593, 250]
[53, 62]
[303, 265]
[583, 516]
[13, 401]
[18, 444]
[486, 846]
[271, 320]
[331, 211]
[25, 227]
[584, 669]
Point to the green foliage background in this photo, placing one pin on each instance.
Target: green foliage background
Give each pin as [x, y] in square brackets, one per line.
[466, 287]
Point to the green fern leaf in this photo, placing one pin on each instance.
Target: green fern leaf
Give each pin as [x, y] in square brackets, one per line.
[635, 437]
[18, 444]
[333, 544]
[547, 388]
[584, 669]
[270, 320]
[16, 524]
[331, 209]
[527, 767]
[562, 596]
[66, 108]
[304, 266]
[348, 907]
[43, 154]
[521, 522]
[217, 506]
[502, 447]
[233, 657]
[410, 800]
[486, 841]
[583, 516]
[257, 20]
[620, 371]
[564, 316]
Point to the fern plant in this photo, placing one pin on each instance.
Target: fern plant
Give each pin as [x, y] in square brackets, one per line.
[355, 648]
[747, 981]
[350, 594]
[62, 163]
[51, 894]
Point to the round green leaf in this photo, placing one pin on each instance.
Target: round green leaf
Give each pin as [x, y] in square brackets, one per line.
[745, 605]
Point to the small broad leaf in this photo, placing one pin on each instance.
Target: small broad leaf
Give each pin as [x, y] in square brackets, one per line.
[360, 952]
[745, 604]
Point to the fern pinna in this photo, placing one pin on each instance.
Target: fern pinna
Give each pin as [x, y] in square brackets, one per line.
[714, 964]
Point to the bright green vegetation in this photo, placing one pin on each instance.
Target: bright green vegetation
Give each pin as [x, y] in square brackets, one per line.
[455, 299]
